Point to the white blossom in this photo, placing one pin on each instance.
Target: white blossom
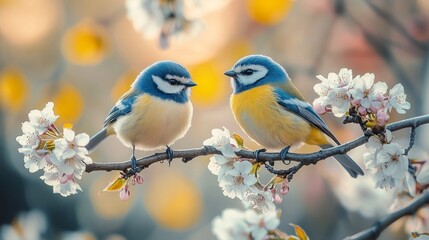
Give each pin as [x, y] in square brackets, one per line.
[231, 226]
[72, 146]
[163, 19]
[42, 120]
[260, 224]
[34, 162]
[61, 182]
[423, 175]
[323, 88]
[221, 165]
[370, 161]
[29, 226]
[236, 183]
[248, 225]
[397, 99]
[29, 139]
[388, 165]
[374, 143]
[392, 157]
[409, 185]
[222, 141]
[366, 92]
[339, 100]
[71, 154]
[334, 92]
[260, 200]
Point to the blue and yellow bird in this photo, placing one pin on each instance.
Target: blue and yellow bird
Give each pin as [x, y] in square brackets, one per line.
[154, 113]
[273, 113]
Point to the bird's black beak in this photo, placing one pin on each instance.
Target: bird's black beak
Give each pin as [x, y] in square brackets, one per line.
[191, 84]
[230, 73]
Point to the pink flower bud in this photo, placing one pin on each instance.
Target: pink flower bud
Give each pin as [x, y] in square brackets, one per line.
[362, 111]
[382, 117]
[276, 197]
[355, 102]
[284, 189]
[376, 106]
[139, 179]
[125, 193]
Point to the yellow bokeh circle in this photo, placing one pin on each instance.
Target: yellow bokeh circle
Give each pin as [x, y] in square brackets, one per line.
[268, 12]
[173, 200]
[68, 104]
[108, 204]
[213, 86]
[123, 85]
[85, 43]
[13, 89]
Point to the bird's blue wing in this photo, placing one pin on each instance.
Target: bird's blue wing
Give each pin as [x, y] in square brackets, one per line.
[304, 110]
[122, 107]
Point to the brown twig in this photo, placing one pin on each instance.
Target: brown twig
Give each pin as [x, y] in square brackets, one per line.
[189, 154]
[378, 227]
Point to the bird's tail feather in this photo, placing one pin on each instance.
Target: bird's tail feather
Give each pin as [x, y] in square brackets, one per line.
[96, 139]
[351, 166]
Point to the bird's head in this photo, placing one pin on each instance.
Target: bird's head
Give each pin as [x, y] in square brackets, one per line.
[167, 80]
[255, 70]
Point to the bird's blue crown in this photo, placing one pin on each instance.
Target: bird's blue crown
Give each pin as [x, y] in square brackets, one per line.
[165, 79]
[256, 70]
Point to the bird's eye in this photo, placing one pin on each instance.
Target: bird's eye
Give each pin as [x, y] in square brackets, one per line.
[173, 82]
[247, 72]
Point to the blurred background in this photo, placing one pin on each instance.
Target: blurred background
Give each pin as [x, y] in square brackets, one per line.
[83, 55]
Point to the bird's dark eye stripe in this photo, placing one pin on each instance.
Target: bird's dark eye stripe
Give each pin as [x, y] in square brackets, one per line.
[173, 82]
[247, 71]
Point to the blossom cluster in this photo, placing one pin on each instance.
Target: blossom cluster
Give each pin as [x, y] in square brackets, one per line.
[237, 224]
[165, 19]
[342, 94]
[61, 155]
[238, 179]
[386, 161]
[29, 225]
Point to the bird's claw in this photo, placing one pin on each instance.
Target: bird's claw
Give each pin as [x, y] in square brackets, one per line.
[257, 152]
[170, 156]
[283, 154]
[134, 167]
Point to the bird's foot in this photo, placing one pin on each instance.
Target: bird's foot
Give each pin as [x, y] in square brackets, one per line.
[283, 154]
[134, 167]
[170, 155]
[257, 152]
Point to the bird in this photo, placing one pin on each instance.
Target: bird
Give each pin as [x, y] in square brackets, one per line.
[154, 113]
[272, 111]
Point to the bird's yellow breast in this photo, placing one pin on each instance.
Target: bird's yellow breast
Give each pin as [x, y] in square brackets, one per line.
[154, 123]
[265, 121]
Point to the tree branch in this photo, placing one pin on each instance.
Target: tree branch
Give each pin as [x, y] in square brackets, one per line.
[375, 230]
[189, 154]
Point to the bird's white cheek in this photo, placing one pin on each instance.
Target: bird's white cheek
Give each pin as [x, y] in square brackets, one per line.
[256, 76]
